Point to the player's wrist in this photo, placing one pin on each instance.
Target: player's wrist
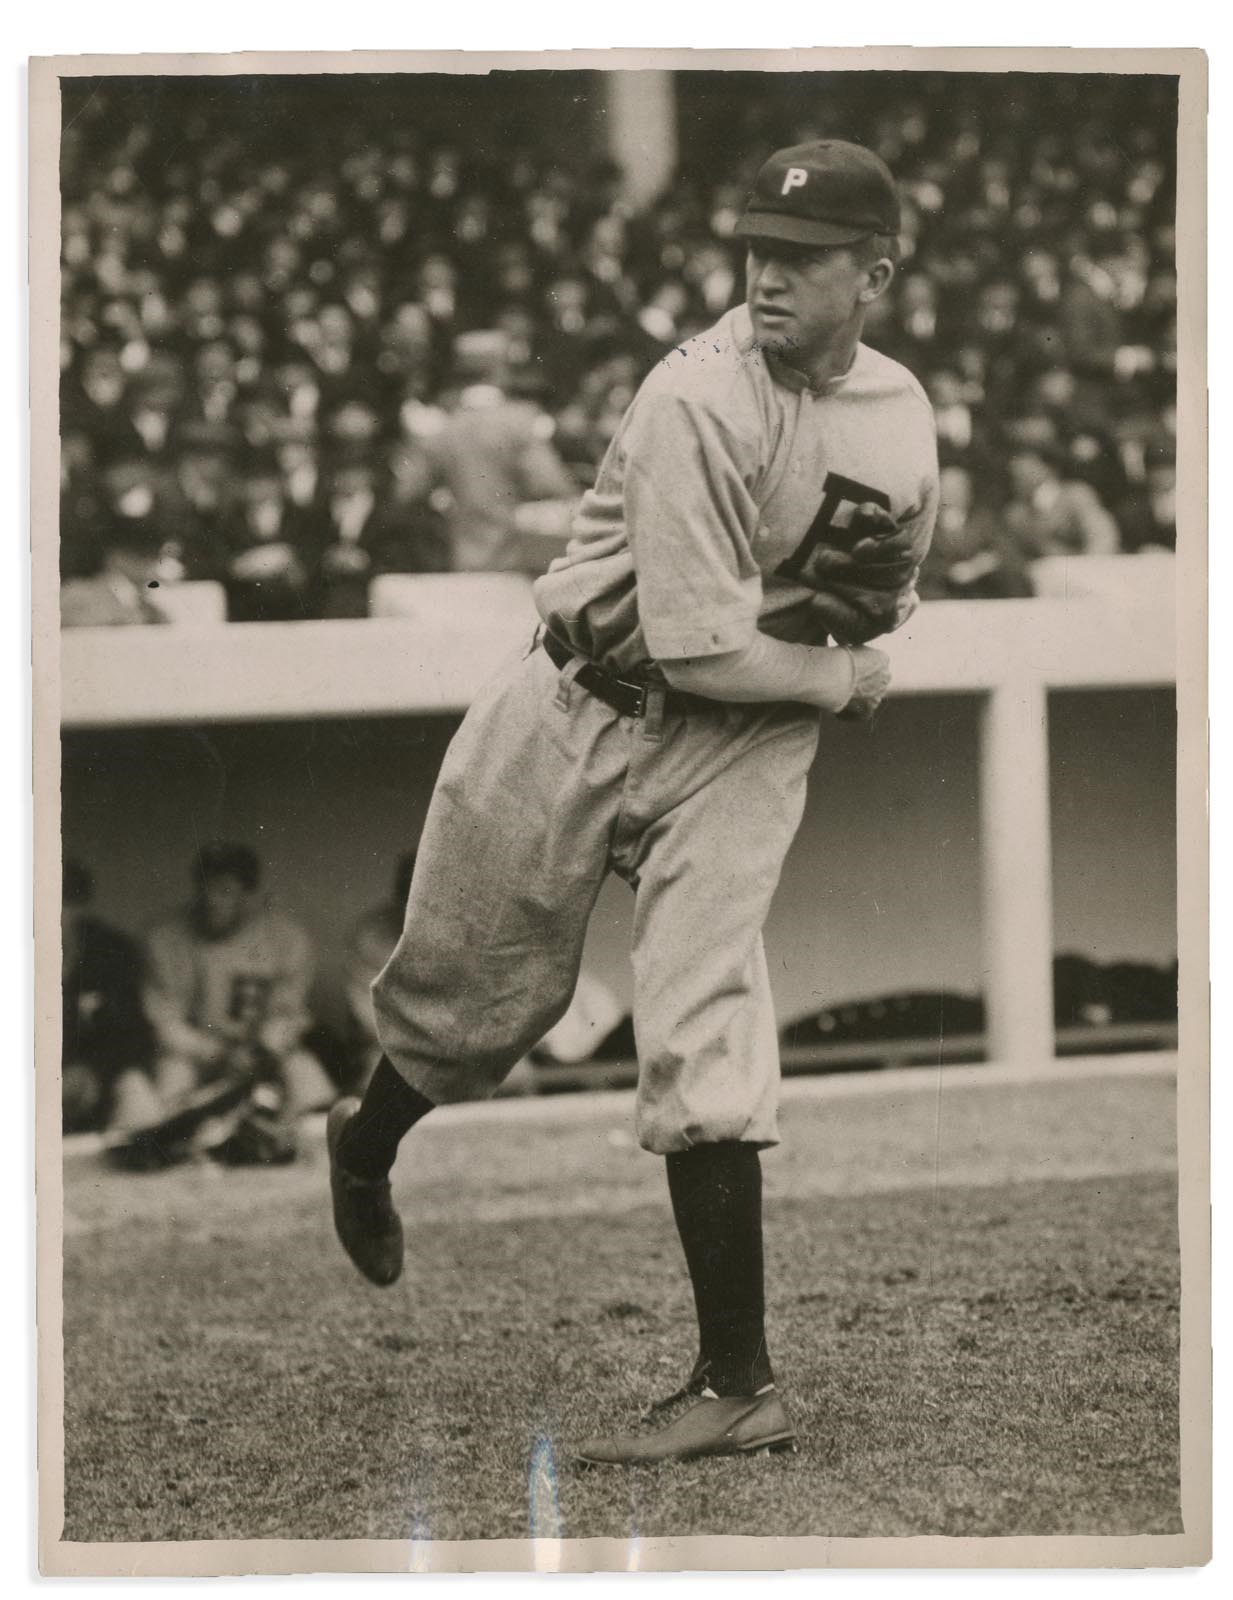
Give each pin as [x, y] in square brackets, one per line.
[852, 674]
[835, 677]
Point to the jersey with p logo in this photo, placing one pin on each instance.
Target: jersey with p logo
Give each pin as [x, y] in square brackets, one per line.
[825, 529]
[735, 497]
[854, 462]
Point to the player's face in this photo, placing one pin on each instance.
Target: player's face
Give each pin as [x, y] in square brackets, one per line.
[800, 297]
[224, 905]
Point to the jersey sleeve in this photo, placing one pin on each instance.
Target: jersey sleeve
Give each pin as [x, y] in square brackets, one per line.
[690, 521]
[288, 1014]
[167, 995]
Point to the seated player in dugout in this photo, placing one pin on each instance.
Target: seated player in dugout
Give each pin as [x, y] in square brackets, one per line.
[226, 993]
[107, 1044]
[761, 513]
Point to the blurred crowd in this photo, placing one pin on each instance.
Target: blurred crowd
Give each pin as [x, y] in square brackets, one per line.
[296, 360]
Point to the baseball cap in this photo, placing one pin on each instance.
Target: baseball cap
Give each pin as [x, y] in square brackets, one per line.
[824, 192]
[224, 858]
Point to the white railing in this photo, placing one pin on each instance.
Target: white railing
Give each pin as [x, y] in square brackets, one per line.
[1009, 653]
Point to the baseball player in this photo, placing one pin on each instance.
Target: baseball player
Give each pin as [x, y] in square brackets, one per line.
[226, 993]
[761, 514]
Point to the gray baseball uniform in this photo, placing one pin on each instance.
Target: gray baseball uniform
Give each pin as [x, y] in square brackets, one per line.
[723, 506]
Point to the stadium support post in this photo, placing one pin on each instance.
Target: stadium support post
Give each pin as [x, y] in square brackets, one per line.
[641, 125]
[1017, 872]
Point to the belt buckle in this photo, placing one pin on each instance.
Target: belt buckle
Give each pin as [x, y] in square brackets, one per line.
[640, 689]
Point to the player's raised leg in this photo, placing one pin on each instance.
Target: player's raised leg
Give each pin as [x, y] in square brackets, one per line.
[512, 856]
[362, 1139]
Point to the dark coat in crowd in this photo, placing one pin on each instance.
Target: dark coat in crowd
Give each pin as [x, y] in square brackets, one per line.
[105, 1027]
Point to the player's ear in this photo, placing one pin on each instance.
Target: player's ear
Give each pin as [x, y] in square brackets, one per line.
[879, 276]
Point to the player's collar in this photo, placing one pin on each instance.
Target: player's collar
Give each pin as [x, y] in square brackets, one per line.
[781, 373]
[790, 377]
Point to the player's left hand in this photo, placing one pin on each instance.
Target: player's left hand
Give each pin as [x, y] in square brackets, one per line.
[872, 521]
[870, 685]
[882, 547]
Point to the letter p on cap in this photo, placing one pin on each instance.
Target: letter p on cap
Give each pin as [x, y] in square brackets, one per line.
[793, 178]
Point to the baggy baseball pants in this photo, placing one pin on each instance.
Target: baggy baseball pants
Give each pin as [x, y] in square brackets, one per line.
[543, 791]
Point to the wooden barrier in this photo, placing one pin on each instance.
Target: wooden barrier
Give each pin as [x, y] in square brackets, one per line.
[1008, 653]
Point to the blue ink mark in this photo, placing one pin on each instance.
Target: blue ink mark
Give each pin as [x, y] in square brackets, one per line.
[545, 1512]
[421, 1545]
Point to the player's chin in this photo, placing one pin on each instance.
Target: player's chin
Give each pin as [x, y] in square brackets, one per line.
[772, 327]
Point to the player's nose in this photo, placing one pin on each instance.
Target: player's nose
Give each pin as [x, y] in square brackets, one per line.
[771, 279]
[765, 274]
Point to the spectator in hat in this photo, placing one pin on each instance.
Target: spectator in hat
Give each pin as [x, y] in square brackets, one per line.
[493, 454]
[405, 351]
[123, 592]
[296, 450]
[1148, 517]
[213, 388]
[267, 568]
[951, 409]
[81, 504]
[298, 385]
[1050, 515]
[972, 557]
[1092, 323]
[332, 347]
[131, 540]
[204, 503]
[407, 531]
[352, 424]
[257, 414]
[98, 404]
[157, 396]
[345, 566]
[1092, 457]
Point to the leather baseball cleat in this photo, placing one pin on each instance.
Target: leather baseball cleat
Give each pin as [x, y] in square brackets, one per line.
[729, 1425]
[367, 1225]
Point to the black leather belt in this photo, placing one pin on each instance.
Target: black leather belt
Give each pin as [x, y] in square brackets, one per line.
[622, 694]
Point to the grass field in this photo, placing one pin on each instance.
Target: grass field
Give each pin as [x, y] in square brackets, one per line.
[973, 1295]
